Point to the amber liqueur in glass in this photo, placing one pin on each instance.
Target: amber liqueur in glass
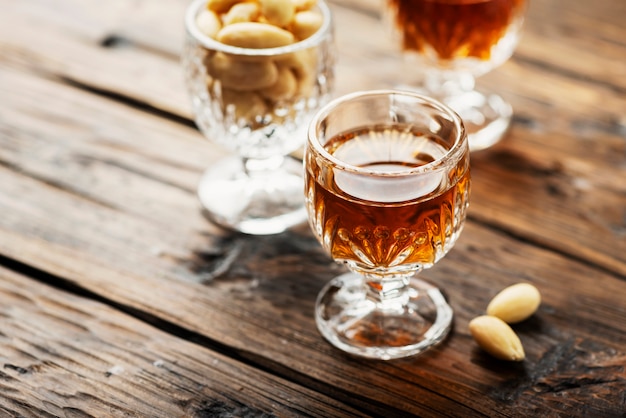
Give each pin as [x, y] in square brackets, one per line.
[453, 28]
[368, 233]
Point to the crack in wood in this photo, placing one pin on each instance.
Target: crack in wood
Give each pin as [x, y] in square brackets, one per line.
[521, 164]
[115, 40]
[87, 159]
[126, 100]
[527, 122]
[219, 409]
[567, 73]
[561, 385]
[63, 187]
[573, 365]
[71, 287]
[523, 238]
[20, 370]
[613, 126]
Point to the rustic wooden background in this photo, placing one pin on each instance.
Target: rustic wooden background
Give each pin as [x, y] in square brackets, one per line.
[117, 298]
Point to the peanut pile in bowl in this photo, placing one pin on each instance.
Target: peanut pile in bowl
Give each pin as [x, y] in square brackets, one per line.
[257, 70]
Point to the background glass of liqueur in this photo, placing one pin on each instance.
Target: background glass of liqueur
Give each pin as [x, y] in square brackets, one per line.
[387, 187]
[449, 43]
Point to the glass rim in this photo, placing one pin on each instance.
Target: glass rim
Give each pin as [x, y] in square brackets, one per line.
[210, 43]
[450, 157]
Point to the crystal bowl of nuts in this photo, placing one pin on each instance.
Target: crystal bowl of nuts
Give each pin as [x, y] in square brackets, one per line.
[256, 71]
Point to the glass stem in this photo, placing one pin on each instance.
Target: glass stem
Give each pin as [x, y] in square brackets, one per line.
[445, 84]
[258, 167]
[388, 292]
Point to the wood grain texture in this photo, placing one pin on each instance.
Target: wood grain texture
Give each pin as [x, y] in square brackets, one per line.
[64, 355]
[98, 167]
[112, 241]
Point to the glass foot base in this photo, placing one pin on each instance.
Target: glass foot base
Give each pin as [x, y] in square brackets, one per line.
[358, 325]
[257, 197]
[486, 117]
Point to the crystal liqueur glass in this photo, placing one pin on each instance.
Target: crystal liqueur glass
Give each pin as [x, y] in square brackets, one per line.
[255, 81]
[387, 185]
[450, 43]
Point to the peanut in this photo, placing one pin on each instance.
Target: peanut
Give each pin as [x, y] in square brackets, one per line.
[303, 63]
[245, 105]
[208, 23]
[515, 303]
[254, 35]
[306, 23]
[497, 338]
[242, 12]
[301, 5]
[284, 88]
[220, 6]
[278, 12]
[240, 74]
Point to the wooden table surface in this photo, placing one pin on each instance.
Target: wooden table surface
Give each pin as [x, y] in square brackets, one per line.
[117, 298]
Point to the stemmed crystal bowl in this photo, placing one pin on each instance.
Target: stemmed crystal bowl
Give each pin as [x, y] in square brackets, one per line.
[255, 81]
[387, 185]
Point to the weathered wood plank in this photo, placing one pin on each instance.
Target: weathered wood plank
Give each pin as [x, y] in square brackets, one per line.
[64, 355]
[262, 305]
